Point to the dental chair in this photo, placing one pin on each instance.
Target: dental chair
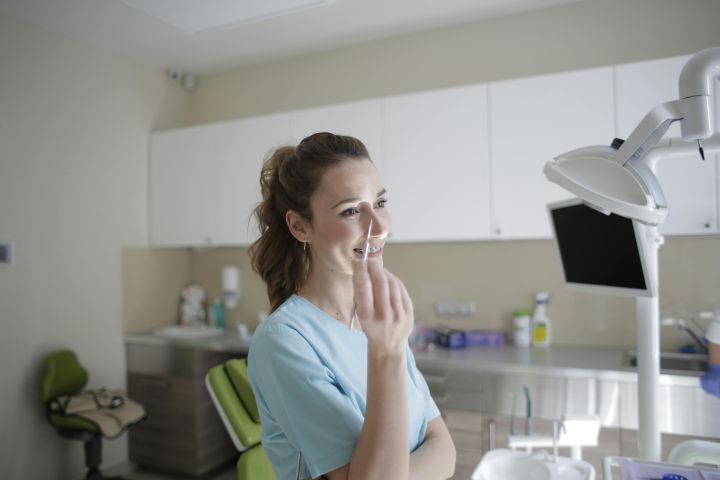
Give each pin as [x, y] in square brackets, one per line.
[234, 401]
[94, 414]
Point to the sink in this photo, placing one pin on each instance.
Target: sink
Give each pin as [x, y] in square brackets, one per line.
[179, 331]
[687, 362]
[504, 464]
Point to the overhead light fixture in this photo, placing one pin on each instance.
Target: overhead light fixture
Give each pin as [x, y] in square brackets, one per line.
[202, 16]
[616, 179]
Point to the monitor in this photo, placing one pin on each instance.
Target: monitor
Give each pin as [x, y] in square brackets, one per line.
[601, 253]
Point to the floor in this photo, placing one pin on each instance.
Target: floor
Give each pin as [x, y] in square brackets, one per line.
[136, 473]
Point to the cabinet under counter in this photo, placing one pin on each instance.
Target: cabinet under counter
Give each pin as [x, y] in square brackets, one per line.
[182, 433]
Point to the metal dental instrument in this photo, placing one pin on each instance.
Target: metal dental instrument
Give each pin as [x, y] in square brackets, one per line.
[365, 257]
[367, 242]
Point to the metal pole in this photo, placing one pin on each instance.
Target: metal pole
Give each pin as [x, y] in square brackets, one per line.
[647, 313]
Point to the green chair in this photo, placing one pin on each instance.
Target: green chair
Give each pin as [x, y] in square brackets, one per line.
[234, 400]
[65, 376]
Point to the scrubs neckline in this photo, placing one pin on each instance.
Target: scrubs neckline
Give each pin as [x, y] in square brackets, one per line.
[328, 316]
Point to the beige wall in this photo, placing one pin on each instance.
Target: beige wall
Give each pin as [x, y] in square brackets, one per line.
[74, 126]
[580, 35]
[499, 276]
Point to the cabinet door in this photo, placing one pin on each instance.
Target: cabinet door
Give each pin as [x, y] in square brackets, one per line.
[533, 120]
[436, 170]
[243, 146]
[362, 120]
[688, 182]
[182, 192]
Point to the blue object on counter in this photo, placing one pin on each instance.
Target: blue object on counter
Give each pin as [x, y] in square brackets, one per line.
[673, 476]
[450, 338]
[485, 338]
[710, 381]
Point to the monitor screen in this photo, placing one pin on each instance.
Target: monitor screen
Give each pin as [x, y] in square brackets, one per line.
[600, 253]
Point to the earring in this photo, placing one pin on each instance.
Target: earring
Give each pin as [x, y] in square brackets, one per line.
[304, 246]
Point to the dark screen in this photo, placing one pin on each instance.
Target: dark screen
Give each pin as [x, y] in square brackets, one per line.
[598, 249]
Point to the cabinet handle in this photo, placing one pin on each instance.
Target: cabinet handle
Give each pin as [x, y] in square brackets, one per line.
[441, 400]
[491, 434]
[155, 382]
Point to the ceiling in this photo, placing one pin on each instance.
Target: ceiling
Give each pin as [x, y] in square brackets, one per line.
[207, 36]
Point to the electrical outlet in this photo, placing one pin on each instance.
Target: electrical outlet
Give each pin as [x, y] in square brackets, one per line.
[452, 308]
[5, 253]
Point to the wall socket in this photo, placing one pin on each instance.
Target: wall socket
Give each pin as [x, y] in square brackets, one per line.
[5, 253]
[452, 308]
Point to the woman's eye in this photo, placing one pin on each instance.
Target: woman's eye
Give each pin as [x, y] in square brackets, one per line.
[381, 203]
[349, 212]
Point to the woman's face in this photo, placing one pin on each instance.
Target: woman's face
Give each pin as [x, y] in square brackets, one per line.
[350, 194]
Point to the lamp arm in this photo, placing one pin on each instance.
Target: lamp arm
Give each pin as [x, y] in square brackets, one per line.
[693, 109]
[696, 86]
[649, 131]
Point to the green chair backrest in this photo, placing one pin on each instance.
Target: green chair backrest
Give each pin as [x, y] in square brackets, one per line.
[63, 375]
[237, 371]
[244, 431]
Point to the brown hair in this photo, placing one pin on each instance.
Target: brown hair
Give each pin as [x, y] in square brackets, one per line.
[288, 179]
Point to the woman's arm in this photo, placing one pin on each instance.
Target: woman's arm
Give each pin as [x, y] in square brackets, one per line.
[434, 459]
[385, 313]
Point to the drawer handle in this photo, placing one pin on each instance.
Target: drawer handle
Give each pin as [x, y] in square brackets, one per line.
[152, 382]
[443, 399]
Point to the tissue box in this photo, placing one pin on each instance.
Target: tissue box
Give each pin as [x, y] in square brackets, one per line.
[450, 338]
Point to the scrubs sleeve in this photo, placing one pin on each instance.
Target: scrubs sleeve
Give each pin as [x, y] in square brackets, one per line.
[431, 410]
[301, 393]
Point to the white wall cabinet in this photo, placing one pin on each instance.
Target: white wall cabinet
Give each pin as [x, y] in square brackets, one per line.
[182, 195]
[459, 164]
[205, 180]
[533, 120]
[690, 185]
[436, 171]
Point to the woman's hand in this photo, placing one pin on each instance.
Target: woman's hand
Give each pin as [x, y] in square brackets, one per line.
[383, 307]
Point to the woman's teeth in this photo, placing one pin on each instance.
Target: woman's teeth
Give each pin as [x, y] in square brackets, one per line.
[371, 250]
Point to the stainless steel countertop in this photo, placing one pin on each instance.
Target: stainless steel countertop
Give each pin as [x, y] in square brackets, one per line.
[227, 342]
[601, 363]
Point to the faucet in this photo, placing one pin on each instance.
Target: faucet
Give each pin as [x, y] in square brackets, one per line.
[528, 413]
[680, 324]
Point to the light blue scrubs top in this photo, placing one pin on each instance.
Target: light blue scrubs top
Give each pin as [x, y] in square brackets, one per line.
[309, 375]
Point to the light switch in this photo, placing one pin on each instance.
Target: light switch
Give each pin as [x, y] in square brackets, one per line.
[5, 253]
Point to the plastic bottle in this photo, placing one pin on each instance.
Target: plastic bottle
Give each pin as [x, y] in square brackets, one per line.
[521, 329]
[542, 331]
[218, 310]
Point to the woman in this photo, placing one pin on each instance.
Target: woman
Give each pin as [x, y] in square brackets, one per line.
[336, 384]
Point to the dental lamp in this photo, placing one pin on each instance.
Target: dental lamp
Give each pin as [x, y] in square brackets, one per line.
[620, 179]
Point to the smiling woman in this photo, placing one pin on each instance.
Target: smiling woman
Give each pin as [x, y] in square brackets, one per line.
[327, 392]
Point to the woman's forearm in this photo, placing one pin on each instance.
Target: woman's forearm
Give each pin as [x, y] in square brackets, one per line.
[382, 450]
[435, 458]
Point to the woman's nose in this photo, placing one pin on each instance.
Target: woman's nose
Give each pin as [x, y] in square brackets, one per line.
[380, 223]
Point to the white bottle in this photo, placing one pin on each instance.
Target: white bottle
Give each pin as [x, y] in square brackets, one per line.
[542, 330]
[522, 329]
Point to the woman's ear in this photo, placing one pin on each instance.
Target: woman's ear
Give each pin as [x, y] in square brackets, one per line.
[299, 227]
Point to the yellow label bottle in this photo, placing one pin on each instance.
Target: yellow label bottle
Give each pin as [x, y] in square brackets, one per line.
[540, 321]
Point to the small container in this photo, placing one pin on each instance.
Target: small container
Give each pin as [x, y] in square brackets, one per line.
[218, 314]
[450, 338]
[522, 328]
